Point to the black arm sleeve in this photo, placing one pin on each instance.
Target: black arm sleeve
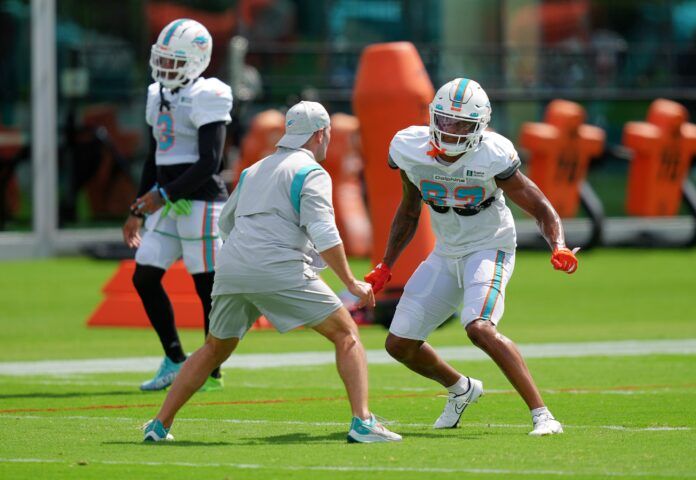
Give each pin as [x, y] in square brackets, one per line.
[211, 139]
[149, 175]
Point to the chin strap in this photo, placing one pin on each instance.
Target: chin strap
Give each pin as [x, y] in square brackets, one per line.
[164, 103]
[435, 151]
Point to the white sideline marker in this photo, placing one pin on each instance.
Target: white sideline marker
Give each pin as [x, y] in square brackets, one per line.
[375, 357]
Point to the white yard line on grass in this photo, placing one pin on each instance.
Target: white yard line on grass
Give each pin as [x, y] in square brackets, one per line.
[270, 360]
[369, 469]
[82, 418]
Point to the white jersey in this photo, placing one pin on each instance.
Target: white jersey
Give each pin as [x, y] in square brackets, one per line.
[205, 100]
[465, 183]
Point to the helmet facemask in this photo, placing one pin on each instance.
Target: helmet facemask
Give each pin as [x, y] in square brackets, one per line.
[172, 70]
[455, 135]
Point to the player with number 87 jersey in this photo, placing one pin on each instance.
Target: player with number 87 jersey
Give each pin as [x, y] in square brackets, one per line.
[469, 211]
[460, 171]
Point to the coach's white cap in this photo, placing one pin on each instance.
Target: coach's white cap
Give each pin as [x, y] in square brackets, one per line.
[301, 121]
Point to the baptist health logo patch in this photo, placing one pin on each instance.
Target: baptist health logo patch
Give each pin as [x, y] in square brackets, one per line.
[475, 174]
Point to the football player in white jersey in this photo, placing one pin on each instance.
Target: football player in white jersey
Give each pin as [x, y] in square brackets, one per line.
[461, 170]
[181, 194]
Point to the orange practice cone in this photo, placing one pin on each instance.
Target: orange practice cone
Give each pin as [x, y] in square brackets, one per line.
[122, 306]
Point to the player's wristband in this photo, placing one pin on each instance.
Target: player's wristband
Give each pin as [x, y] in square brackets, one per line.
[136, 213]
[163, 194]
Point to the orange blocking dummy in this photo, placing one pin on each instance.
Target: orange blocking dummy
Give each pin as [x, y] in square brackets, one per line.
[344, 163]
[392, 91]
[662, 150]
[561, 149]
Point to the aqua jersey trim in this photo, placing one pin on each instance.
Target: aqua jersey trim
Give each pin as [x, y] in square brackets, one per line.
[298, 182]
[241, 180]
[494, 289]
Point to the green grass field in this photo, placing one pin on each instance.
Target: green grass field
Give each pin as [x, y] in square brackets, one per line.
[628, 416]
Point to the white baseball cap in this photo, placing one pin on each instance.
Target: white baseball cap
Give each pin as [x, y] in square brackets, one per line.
[301, 121]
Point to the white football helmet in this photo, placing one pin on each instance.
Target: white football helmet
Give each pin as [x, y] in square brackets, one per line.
[181, 53]
[459, 114]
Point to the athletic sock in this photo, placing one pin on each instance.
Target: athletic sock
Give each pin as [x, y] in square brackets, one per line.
[539, 411]
[148, 283]
[175, 352]
[204, 289]
[462, 386]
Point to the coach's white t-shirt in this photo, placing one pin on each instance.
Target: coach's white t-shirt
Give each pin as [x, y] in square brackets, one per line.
[268, 218]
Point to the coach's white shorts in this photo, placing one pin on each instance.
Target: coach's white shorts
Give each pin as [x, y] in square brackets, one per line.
[440, 285]
[195, 237]
[308, 305]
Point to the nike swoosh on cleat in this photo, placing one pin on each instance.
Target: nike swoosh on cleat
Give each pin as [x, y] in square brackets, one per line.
[459, 409]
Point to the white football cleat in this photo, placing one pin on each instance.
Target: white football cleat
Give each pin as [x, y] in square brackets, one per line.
[456, 404]
[545, 424]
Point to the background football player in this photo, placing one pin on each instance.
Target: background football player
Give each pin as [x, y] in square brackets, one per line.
[181, 194]
[460, 171]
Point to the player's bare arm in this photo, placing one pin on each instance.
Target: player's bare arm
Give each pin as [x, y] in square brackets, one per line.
[521, 190]
[402, 230]
[405, 221]
[131, 231]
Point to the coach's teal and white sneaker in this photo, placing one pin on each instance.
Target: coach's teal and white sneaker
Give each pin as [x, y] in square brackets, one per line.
[164, 377]
[545, 424]
[370, 431]
[155, 432]
[456, 404]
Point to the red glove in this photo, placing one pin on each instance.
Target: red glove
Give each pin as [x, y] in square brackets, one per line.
[378, 277]
[564, 259]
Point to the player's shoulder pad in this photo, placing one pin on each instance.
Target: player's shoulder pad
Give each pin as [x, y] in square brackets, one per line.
[504, 157]
[153, 89]
[211, 88]
[408, 145]
[211, 101]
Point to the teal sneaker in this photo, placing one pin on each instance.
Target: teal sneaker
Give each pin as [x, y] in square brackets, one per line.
[155, 432]
[370, 431]
[164, 377]
[212, 384]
